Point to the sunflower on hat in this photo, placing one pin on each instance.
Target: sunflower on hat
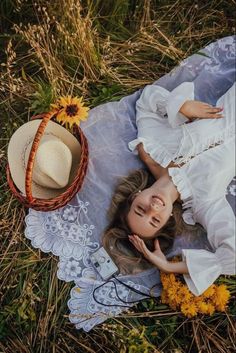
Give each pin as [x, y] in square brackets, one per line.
[70, 110]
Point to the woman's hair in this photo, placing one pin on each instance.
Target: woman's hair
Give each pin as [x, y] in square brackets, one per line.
[115, 239]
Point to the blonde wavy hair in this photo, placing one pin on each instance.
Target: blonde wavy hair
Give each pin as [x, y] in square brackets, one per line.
[115, 238]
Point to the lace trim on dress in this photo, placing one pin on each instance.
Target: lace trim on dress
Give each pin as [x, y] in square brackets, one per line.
[184, 188]
[197, 148]
[157, 152]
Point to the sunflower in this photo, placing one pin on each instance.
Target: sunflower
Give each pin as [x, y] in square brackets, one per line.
[70, 110]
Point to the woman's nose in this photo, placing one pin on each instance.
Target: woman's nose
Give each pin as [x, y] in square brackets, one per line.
[155, 206]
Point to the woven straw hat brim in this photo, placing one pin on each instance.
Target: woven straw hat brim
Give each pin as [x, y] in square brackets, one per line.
[22, 138]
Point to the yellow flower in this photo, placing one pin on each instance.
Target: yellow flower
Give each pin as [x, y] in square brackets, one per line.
[164, 280]
[173, 305]
[168, 280]
[206, 308]
[221, 297]
[172, 278]
[209, 292]
[164, 297]
[184, 295]
[189, 309]
[172, 291]
[70, 110]
[178, 296]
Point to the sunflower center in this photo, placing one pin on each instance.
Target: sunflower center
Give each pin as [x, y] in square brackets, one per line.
[72, 110]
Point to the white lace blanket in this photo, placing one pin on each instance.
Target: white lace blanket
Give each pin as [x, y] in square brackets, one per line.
[73, 232]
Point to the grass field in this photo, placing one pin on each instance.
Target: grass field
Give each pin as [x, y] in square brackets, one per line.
[102, 50]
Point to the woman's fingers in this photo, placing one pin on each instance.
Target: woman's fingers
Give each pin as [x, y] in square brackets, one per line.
[139, 244]
[157, 245]
[213, 116]
[207, 111]
[210, 113]
[134, 242]
[214, 110]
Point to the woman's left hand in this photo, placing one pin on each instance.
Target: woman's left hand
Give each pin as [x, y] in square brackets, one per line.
[195, 109]
[156, 257]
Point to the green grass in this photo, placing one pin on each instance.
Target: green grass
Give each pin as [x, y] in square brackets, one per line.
[103, 50]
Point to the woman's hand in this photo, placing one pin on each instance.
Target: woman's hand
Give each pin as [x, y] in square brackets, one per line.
[156, 257]
[195, 109]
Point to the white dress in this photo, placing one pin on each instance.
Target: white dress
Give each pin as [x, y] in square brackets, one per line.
[204, 150]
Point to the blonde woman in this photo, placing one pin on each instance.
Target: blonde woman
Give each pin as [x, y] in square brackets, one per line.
[189, 147]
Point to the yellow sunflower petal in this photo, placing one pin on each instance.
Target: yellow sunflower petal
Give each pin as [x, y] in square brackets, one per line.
[54, 106]
[62, 117]
[77, 100]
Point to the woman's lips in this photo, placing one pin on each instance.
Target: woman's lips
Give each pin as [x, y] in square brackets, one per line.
[155, 197]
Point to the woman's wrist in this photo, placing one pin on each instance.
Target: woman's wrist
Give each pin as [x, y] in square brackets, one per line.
[160, 263]
[176, 267]
[170, 267]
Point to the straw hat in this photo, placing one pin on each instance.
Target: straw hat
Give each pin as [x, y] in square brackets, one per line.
[56, 162]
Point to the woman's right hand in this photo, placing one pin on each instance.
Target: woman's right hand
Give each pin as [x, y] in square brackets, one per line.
[199, 110]
[156, 257]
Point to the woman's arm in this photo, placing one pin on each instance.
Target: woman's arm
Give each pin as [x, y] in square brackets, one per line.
[156, 169]
[157, 258]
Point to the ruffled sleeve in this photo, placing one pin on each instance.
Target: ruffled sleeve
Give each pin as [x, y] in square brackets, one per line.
[176, 99]
[151, 119]
[155, 150]
[204, 267]
[152, 100]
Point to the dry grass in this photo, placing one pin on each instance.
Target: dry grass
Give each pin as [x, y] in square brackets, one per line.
[103, 50]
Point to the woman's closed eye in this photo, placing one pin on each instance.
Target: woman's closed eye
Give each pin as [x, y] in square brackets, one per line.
[140, 210]
[155, 220]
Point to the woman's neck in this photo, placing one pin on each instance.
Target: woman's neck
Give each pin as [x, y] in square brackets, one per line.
[166, 184]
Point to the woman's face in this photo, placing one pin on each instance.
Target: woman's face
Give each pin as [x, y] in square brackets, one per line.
[149, 212]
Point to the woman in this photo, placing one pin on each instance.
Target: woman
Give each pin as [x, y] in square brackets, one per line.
[189, 147]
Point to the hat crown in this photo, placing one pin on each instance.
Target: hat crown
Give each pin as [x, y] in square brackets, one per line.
[52, 163]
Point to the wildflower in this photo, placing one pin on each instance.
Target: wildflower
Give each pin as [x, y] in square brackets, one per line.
[189, 309]
[184, 295]
[221, 297]
[177, 295]
[70, 110]
[172, 292]
[168, 280]
[209, 292]
[164, 297]
[205, 308]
